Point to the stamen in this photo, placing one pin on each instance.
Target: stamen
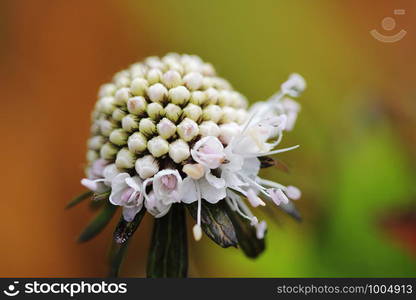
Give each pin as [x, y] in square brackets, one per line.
[274, 152]
[270, 183]
[197, 227]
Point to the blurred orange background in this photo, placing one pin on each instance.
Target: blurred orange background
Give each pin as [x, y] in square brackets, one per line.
[55, 54]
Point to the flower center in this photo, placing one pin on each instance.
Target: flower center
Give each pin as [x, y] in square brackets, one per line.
[125, 197]
[169, 181]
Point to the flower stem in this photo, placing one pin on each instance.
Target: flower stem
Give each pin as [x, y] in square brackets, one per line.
[168, 255]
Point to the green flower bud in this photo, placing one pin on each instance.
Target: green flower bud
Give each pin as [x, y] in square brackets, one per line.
[147, 127]
[212, 96]
[212, 113]
[229, 114]
[139, 86]
[130, 123]
[106, 127]
[108, 151]
[118, 114]
[179, 151]
[95, 142]
[125, 159]
[121, 96]
[193, 80]
[106, 105]
[107, 89]
[193, 111]
[147, 166]
[158, 146]
[155, 111]
[137, 142]
[137, 105]
[198, 98]
[188, 129]
[171, 79]
[154, 76]
[179, 95]
[118, 137]
[157, 92]
[173, 112]
[92, 156]
[166, 128]
[209, 128]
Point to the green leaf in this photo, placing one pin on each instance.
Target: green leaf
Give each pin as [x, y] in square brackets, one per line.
[246, 235]
[102, 196]
[79, 199]
[122, 234]
[125, 230]
[98, 223]
[215, 222]
[168, 255]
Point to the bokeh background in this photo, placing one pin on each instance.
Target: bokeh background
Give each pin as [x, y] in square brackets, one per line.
[356, 164]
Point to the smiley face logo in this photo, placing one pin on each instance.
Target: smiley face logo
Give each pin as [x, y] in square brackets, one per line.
[388, 24]
[11, 290]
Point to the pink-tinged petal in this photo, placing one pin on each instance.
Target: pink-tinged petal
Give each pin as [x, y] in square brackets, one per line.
[129, 212]
[89, 184]
[254, 199]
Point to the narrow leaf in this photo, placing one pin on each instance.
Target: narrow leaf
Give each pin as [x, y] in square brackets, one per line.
[125, 230]
[215, 223]
[246, 235]
[101, 196]
[291, 210]
[116, 256]
[168, 255]
[95, 205]
[98, 223]
[79, 199]
[122, 234]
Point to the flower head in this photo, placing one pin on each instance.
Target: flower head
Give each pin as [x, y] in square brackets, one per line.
[167, 133]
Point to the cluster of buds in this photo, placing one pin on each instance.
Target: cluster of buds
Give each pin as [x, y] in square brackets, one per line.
[149, 117]
[168, 133]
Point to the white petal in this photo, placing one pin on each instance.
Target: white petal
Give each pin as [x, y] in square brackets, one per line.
[135, 183]
[189, 193]
[129, 212]
[210, 193]
[118, 185]
[215, 181]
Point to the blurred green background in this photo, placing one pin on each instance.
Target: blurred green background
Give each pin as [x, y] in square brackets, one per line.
[356, 164]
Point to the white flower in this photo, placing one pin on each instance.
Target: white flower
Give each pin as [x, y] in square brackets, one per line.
[294, 86]
[228, 131]
[97, 168]
[291, 109]
[126, 191]
[154, 206]
[167, 186]
[100, 181]
[209, 152]
[211, 190]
